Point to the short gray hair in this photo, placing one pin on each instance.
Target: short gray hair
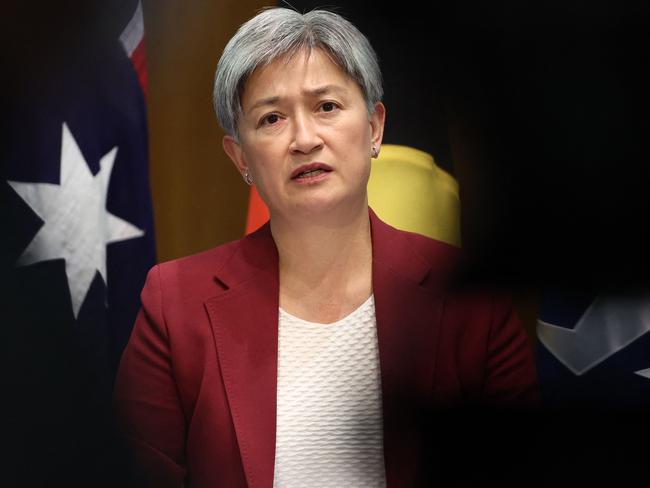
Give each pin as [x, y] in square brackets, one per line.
[277, 32]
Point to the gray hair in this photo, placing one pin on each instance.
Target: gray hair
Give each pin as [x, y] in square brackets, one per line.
[276, 32]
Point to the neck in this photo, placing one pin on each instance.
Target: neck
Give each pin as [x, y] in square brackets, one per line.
[324, 260]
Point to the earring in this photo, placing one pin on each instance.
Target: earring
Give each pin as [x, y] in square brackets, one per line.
[247, 177]
[374, 153]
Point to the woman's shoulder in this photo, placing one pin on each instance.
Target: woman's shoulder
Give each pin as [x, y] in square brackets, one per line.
[236, 258]
[197, 268]
[205, 260]
[443, 259]
[432, 251]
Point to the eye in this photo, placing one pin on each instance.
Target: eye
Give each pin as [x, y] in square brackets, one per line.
[270, 119]
[329, 106]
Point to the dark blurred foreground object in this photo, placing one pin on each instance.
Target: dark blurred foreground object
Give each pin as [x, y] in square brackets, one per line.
[543, 449]
[548, 113]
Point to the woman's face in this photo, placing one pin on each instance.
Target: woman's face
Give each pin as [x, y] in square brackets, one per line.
[305, 135]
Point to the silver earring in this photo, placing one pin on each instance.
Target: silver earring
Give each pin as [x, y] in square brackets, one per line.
[247, 177]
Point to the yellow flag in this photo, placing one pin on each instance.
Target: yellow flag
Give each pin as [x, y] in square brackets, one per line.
[409, 191]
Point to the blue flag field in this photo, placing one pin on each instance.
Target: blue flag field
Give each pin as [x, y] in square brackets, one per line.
[78, 234]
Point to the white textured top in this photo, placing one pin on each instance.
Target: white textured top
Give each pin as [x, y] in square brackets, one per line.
[329, 417]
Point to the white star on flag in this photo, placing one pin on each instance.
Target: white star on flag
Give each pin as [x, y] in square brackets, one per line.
[77, 227]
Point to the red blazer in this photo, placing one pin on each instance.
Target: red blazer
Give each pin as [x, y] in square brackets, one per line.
[196, 389]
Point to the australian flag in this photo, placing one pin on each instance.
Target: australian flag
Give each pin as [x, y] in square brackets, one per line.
[594, 349]
[593, 360]
[77, 227]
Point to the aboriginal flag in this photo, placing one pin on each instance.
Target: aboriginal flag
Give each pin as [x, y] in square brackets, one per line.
[77, 227]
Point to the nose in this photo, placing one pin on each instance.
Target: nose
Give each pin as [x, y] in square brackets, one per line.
[306, 137]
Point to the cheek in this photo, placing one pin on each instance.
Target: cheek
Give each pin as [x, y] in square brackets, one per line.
[264, 164]
[357, 140]
[359, 131]
[257, 159]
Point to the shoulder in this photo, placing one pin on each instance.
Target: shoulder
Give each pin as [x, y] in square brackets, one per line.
[230, 263]
[399, 248]
[443, 259]
[179, 287]
[199, 264]
[183, 284]
[433, 251]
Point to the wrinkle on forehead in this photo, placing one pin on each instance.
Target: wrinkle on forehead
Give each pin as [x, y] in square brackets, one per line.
[301, 65]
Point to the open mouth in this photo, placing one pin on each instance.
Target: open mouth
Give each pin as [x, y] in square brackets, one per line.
[310, 171]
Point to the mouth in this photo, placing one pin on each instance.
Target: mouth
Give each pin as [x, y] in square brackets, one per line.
[312, 170]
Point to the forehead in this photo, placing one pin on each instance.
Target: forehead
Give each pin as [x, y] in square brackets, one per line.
[297, 74]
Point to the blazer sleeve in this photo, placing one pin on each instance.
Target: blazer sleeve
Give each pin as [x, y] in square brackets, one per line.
[510, 376]
[146, 400]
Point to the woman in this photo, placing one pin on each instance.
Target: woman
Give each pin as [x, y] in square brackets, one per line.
[306, 353]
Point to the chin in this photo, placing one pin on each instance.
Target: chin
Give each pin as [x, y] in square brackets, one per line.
[330, 204]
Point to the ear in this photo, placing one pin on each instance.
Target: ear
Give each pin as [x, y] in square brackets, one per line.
[377, 120]
[235, 153]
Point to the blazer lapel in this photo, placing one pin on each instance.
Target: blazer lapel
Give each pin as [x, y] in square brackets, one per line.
[244, 317]
[408, 317]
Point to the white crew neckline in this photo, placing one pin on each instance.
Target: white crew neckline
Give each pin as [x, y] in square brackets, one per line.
[298, 321]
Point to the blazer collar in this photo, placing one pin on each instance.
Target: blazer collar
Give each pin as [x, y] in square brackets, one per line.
[391, 250]
[244, 317]
[257, 254]
[408, 317]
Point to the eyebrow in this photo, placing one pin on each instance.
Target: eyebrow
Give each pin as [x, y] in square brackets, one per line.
[315, 92]
[325, 89]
